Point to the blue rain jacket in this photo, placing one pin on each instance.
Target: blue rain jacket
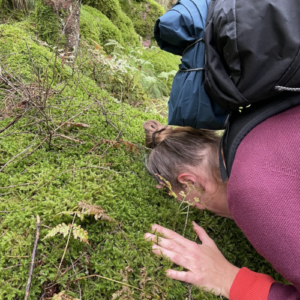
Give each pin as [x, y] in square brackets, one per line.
[180, 31]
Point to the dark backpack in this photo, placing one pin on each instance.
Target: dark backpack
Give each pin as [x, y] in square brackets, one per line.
[252, 63]
[180, 31]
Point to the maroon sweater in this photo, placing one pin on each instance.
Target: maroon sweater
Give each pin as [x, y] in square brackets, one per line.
[264, 197]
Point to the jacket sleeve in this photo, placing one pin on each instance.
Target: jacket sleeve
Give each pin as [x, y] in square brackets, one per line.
[250, 285]
[264, 199]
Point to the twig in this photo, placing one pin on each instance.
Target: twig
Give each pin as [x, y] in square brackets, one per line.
[65, 249]
[79, 288]
[63, 123]
[39, 145]
[120, 282]
[189, 290]
[18, 256]
[186, 219]
[11, 123]
[69, 138]
[75, 262]
[25, 150]
[11, 267]
[38, 225]
[62, 274]
[91, 150]
[13, 186]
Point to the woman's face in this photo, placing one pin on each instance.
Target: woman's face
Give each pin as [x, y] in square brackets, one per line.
[202, 191]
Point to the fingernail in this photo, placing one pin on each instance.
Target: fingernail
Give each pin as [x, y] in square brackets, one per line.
[154, 247]
[168, 273]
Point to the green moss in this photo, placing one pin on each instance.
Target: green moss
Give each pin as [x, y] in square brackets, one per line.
[97, 27]
[112, 9]
[5, 9]
[125, 25]
[48, 24]
[26, 57]
[162, 61]
[10, 13]
[143, 15]
[27, 25]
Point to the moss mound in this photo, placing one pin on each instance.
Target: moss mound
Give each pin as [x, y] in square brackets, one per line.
[23, 54]
[112, 9]
[95, 26]
[48, 24]
[143, 15]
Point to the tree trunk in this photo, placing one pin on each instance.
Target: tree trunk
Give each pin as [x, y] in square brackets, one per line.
[68, 11]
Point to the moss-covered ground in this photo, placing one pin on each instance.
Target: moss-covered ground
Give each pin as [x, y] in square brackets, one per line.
[47, 168]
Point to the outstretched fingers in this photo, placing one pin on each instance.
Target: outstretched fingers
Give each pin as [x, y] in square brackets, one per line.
[176, 258]
[165, 243]
[171, 235]
[203, 236]
[188, 277]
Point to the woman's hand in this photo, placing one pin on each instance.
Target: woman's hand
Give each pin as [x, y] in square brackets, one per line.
[207, 267]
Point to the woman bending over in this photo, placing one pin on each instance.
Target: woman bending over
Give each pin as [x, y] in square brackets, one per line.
[262, 196]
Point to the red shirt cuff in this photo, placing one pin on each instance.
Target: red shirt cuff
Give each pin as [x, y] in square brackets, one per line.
[249, 285]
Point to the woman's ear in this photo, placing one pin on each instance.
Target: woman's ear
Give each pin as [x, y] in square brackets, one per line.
[187, 179]
[190, 179]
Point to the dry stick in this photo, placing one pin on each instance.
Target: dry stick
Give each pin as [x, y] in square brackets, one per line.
[65, 248]
[75, 262]
[186, 219]
[39, 145]
[79, 288]
[18, 256]
[11, 123]
[38, 225]
[68, 269]
[96, 275]
[69, 138]
[25, 150]
[13, 186]
[189, 290]
[62, 124]
[11, 267]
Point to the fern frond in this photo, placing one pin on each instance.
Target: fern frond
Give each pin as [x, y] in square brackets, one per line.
[80, 233]
[97, 211]
[60, 228]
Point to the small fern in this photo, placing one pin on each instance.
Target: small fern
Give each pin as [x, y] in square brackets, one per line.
[96, 211]
[83, 209]
[78, 232]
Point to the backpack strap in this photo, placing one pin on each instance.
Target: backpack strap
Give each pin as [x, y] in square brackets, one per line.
[240, 123]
